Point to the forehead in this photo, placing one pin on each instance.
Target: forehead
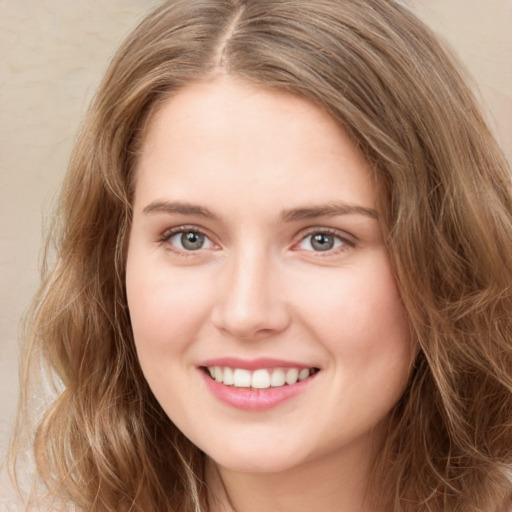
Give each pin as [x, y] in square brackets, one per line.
[229, 135]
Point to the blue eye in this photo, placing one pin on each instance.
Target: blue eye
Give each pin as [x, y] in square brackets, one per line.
[321, 242]
[190, 240]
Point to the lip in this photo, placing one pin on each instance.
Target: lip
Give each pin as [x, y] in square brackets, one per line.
[253, 364]
[253, 399]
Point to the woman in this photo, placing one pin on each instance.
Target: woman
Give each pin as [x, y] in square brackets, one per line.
[282, 276]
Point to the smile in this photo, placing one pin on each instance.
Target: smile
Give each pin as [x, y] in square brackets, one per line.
[256, 384]
[261, 378]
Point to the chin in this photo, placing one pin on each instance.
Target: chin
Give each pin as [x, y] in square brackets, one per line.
[249, 463]
[252, 457]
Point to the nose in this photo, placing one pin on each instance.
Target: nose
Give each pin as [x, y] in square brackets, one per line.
[250, 301]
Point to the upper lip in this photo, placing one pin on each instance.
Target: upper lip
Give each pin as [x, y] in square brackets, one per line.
[253, 364]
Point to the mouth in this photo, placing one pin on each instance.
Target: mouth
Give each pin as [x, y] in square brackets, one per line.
[259, 378]
[258, 384]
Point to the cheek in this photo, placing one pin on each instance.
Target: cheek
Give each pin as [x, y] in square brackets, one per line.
[358, 315]
[166, 307]
[167, 310]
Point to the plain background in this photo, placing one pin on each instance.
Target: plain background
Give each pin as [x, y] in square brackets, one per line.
[52, 56]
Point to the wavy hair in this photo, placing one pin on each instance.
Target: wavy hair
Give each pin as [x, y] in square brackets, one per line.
[446, 202]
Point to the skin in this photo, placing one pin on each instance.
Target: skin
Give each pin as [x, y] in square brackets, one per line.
[255, 161]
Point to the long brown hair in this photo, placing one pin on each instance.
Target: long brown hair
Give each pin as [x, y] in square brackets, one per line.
[446, 199]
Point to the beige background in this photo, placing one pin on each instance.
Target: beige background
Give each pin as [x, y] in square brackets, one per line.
[52, 55]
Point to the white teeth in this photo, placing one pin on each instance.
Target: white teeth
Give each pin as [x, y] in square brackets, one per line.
[242, 378]
[277, 378]
[292, 376]
[228, 376]
[258, 379]
[303, 374]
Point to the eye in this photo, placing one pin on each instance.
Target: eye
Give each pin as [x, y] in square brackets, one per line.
[190, 240]
[321, 241]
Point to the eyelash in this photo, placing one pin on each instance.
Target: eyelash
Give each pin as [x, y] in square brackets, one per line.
[167, 235]
[346, 240]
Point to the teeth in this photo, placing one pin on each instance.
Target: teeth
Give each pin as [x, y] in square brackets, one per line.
[292, 375]
[277, 378]
[242, 378]
[303, 374]
[259, 379]
[228, 377]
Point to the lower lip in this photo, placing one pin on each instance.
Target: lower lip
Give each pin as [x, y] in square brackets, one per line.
[255, 399]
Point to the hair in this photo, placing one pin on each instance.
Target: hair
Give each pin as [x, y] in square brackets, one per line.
[446, 213]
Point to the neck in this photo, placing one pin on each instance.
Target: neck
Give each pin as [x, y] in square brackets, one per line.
[333, 483]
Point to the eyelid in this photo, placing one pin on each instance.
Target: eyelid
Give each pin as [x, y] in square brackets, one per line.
[346, 238]
[185, 228]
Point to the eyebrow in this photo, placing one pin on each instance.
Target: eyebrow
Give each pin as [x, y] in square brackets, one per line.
[327, 210]
[178, 207]
[291, 215]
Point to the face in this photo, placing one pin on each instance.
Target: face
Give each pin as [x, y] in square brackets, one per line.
[266, 317]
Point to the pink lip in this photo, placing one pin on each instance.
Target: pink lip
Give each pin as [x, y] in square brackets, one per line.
[254, 400]
[253, 364]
